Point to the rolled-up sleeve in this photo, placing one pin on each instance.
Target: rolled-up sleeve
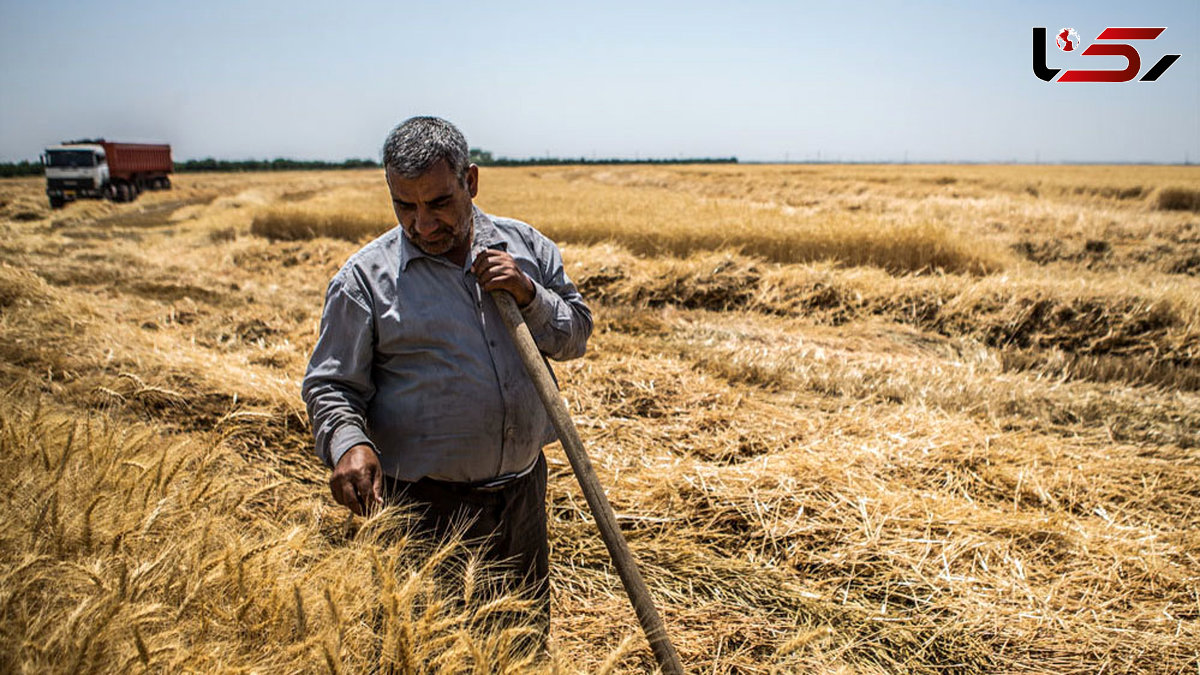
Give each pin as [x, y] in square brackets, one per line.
[558, 318]
[337, 386]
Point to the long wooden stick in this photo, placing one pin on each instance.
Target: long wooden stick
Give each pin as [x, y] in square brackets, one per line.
[618, 549]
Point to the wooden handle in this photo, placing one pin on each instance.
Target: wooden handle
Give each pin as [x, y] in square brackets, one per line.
[618, 549]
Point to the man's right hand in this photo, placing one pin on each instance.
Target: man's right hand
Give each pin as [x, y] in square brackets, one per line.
[357, 480]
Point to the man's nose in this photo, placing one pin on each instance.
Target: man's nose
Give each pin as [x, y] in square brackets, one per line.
[426, 223]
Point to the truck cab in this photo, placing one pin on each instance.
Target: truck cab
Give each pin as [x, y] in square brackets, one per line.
[74, 171]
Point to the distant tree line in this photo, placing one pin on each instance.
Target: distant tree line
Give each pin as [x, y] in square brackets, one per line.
[555, 161]
[26, 168]
[21, 168]
[478, 156]
[485, 158]
[278, 164]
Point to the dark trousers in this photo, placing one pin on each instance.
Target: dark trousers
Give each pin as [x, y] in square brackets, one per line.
[510, 520]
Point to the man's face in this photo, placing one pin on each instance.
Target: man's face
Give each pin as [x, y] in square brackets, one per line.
[435, 208]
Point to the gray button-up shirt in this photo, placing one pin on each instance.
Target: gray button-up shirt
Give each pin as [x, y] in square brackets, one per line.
[414, 359]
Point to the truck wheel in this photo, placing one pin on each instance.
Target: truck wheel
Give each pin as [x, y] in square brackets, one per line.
[57, 202]
[123, 193]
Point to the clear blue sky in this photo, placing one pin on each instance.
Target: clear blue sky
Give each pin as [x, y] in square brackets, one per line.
[933, 81]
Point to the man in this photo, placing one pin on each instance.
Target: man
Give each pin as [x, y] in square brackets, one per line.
[415, 389]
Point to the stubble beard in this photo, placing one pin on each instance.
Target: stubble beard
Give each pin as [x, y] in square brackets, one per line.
[457, 238]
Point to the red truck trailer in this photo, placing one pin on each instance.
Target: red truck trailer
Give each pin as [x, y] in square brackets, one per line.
[105, 170]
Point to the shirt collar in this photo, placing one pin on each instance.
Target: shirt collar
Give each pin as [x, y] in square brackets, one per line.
[484, 236]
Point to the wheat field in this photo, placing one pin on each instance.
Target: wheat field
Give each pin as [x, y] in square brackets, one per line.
[853, 419]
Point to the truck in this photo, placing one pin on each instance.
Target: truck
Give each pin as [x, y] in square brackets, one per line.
[101, 169]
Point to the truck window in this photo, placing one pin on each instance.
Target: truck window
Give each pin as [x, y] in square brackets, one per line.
[70, 158]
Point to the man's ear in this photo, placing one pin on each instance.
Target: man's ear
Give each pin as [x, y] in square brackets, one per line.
[472, 180]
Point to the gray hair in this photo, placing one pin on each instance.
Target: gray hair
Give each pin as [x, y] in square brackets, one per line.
[420, 142]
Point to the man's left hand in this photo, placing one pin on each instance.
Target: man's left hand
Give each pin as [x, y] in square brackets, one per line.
[496, 270]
